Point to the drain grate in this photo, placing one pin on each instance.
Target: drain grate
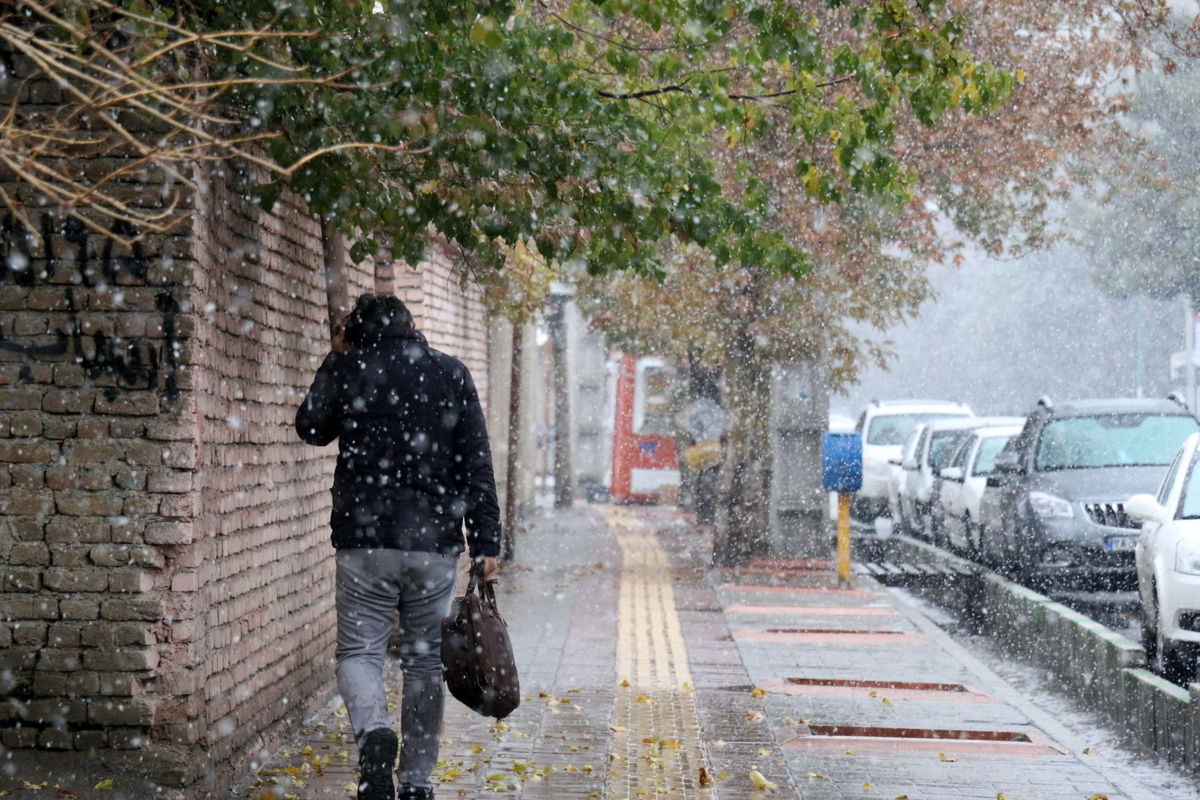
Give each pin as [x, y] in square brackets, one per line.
[839, 636]
[900, 685]
[866, 739]
[816, 611]
[860, 731]
[847, 631]
[892, 691]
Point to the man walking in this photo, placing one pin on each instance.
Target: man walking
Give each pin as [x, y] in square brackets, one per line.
[413, 465]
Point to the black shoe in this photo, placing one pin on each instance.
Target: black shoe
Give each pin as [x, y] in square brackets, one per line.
[415, 792]
[376, 759]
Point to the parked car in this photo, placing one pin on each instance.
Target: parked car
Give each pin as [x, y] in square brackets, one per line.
[963, 483]
[901, 523]
[884, 427]
[1062, 482]
[937, 443]
[1168, 566]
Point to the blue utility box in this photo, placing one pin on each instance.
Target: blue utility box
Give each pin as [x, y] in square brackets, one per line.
[841, 461]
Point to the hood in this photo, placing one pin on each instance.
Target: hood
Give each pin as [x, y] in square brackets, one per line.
[1106, 485]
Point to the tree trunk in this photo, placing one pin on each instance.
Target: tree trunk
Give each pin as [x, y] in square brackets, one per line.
[337, 296]
[512, 507]
[743, 513]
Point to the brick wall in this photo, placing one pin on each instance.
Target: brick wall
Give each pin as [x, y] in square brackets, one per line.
[165, 569]
[447, 308]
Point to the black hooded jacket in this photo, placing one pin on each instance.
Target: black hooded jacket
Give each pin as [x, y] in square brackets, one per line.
[413, 454]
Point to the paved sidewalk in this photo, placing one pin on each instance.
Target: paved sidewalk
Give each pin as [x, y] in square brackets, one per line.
[646, 675]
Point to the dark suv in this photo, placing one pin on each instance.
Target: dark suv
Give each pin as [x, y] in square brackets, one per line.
[1062, 483]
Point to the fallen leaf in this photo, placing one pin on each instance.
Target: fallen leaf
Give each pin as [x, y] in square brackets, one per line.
[624, 684]
[944, 757]
[754, 716]
[1098, 796]
[813, 776]
[105, 785]
[761, 782]
[1001, 796]
[704, 779]
[758, 693]
[866, 787]
[1087, 751]
[66, 794]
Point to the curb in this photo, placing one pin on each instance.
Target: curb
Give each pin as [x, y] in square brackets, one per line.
[1100, 668]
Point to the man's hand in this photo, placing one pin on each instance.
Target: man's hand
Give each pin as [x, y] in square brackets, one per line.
[489, 564]
[337, 342]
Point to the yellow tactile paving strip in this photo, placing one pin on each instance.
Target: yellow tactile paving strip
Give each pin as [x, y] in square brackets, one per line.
[656, 745]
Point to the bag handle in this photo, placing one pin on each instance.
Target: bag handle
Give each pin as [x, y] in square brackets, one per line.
[478, 584]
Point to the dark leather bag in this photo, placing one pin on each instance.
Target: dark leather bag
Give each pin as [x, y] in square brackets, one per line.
[477, 656]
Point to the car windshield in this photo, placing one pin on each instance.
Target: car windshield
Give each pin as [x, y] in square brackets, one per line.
[893, 429]
[942, 446]
[985, 462]
[1113, 440]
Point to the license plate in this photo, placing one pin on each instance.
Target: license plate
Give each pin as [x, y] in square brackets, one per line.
[1116, 544]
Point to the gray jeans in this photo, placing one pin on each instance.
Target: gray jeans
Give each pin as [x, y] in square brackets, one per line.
[371, 586]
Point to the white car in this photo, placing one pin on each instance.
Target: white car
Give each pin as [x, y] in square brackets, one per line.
[937, 443]
[884, 427]
[1168, 566]
[896, 480]
[964, 481]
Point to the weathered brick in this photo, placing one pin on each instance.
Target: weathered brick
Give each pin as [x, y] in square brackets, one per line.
[109, 555]
[127, 738]
[128, 580]
[88, 504]
[91, 740]
[180, 455]
[144, 556]
[25, 424]
[123, 711]
[144, 453]
[68, 530]
[28, 607]
[31, 502]
[32, 634]
[62, 579]
[68, 401]
[23, 737]
[62, 478]
[137, 505]
[28, 451]
[113, 684]
[129, 478]
[180, 506]
[172, 533]
[59, 428]
[64, 634]
[32, 554]
[169, 481]
[76, 608]
[130, 609]
[56, 739]
[120, 659]
[70, 555]
[57, 712]
[20, 579]
[47, 298]
[21, 398]
[69, 375]
[80, 451]
[137, 404]
[127, 427]
[28, 476]
[59, 659]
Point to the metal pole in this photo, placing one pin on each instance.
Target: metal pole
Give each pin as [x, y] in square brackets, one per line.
[843, 536]
[1189, 360]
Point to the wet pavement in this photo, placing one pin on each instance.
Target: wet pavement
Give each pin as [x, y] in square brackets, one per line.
[647, 675]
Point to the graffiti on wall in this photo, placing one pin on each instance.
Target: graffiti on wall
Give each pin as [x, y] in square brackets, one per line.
[134, 363]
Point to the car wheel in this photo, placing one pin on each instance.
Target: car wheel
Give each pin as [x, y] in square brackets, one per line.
[1178, 660]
